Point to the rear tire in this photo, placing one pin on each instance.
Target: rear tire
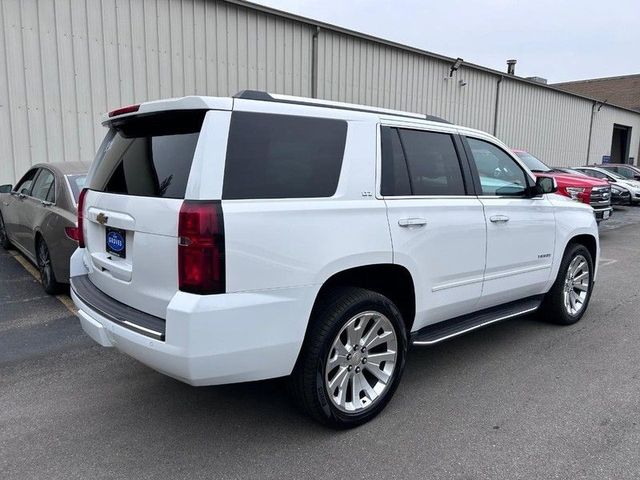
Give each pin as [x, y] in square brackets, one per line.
[568, 299]
[4, 239]
[352, 359]
[47, 275]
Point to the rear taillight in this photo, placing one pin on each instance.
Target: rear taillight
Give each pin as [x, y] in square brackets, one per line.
[80, 228]
[201, 265]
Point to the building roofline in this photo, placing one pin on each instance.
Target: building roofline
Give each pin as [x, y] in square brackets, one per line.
[599, 79]
[408, 48]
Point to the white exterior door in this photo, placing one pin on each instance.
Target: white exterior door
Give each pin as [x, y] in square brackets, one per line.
[438, 231]
[520, 229]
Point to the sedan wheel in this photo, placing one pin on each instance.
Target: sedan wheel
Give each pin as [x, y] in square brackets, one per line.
[47, 276]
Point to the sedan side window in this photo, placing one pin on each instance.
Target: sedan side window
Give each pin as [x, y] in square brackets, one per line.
[43, 184]
[500, 175]
[24, 186]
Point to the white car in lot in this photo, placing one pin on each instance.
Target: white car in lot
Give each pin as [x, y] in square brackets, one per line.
[237, 239]
[632, 186]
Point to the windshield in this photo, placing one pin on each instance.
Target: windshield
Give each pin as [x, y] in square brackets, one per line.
[76, 182]
[532, 162]
[615, 175]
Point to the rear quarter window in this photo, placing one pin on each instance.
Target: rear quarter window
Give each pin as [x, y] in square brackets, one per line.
[148, 155]
[283, 156]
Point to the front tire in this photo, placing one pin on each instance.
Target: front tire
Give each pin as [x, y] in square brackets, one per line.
[569, 297]
[47, 275]
[352, 359]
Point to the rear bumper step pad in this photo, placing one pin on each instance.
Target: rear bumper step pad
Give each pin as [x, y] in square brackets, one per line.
[117, 312]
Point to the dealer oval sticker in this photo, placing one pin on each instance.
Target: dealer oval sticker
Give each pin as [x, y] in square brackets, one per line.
[115, 241]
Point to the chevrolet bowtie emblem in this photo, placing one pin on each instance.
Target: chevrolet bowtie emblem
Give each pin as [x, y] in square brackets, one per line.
[102, 218]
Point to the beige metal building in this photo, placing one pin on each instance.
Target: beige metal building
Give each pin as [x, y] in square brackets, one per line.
[64, 63]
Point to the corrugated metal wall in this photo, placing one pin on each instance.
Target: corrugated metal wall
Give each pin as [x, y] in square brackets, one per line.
[357, 70]
[64, 63]
[547, 123]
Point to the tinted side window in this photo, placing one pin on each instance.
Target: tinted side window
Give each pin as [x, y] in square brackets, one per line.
[43, 184]
[283, 156]
[500, 174]
[24, 186]
[432, 162]
[148, 155]
[395, 177]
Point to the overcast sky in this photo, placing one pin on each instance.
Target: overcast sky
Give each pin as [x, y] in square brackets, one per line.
[555, 39]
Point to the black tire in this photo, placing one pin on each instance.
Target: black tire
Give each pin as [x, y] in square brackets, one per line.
[330, 316]
[4, 239]
[47, 275]
[553, 308]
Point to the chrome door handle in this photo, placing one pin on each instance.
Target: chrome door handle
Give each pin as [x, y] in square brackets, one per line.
[499, 219]
[412, 222]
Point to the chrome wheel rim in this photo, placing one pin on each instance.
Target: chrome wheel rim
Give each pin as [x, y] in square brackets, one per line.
[44, 263]
[576, 285]
[361, 362]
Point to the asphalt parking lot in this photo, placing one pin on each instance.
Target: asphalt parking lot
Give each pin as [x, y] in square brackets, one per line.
[522, 399]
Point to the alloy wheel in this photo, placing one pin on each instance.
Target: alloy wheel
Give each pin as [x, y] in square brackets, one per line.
[576, 285]
[361, 362]
[44, 263]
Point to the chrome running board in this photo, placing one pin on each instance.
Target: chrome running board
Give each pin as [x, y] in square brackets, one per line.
[438, 332]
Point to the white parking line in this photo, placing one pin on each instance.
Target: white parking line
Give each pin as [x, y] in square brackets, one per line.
[607, 261]
[65, 300]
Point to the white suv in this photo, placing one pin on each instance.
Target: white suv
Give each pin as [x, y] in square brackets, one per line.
[236, 239]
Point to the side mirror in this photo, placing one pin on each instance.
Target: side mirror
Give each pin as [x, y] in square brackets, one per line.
[6, 188]
[546, 185]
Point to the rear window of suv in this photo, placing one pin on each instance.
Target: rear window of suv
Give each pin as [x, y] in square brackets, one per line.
[148, 155]
[283, 156]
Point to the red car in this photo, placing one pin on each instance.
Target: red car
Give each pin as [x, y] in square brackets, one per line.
[592, 191]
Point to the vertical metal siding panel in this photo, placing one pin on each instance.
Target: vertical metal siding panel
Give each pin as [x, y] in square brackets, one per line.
[8, 172]
[241, 55]
[200, 48]
[210, 28]
[97, 72]
[152, 54]
[137, 27]
[176, 48]
[125, 57]
[231, 20]
[33, 82]
[110, 45]
[188, 65]
[164, 48]
[66, 70]
[82, 80]
[16, 86]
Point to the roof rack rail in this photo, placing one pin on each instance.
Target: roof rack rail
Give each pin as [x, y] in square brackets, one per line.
[267, 97]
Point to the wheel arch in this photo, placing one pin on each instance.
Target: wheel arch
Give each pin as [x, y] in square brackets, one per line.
[391, 280]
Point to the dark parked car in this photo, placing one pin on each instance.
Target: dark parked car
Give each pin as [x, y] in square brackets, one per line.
[38, 217]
